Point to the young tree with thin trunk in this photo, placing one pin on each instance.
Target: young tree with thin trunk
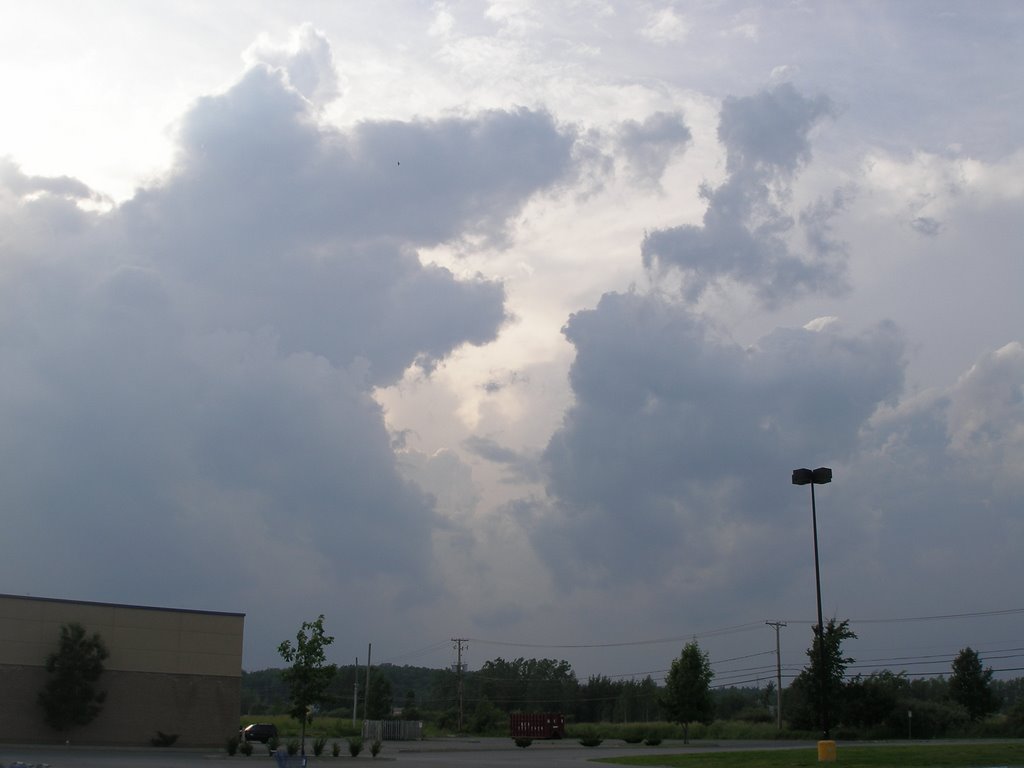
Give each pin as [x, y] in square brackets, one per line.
[688, 689]
[309, 675]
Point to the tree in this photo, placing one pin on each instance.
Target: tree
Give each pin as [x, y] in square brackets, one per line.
[688, 689]
[871, 701]
[380, 704]
[70, 697]
[409, 710]
[309, 675]
[530, 685]
[970, 685]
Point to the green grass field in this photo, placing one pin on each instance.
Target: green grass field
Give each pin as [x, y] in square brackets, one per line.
[938, 755]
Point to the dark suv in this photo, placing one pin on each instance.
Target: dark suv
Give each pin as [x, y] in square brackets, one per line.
[262, 732]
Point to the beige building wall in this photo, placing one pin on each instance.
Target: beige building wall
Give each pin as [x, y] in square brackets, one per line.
[175, 671]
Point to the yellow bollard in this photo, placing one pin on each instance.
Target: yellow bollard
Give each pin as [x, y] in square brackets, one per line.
[826, 751]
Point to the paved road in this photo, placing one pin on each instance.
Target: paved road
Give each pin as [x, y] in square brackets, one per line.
[459, 753]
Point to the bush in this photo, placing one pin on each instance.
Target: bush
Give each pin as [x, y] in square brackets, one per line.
[232, 745]
[272, 744]
[652, 741]
[163, 739]
[755, 715]
[355, 746]
[293, 746]
[587, 730]
[488, 719]
[335, 748]
[245, 748]
[591, 741]
[932, 719]
[318, 745]
[375, 748]
[523, 742]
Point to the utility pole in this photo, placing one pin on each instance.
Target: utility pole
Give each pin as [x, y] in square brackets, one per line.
[778, 671]
[458, 671]
[355, 690]
[366, 699]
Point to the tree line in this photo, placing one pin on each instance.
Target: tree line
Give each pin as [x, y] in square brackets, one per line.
[887, 704]
[883, 704]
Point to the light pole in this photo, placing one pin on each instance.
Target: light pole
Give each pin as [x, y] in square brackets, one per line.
[813, 477]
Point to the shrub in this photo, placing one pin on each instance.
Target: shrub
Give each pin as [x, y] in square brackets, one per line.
[272, 744]
[335, 748]
[163, 739]
[591, 741]
[652, 741]
[232, 745]
[355, 746]
[245, 748]
[632, 738]
[375, 747]
[587, 731]
[293, 746]
[318, 745]
[523, 742]
[488, 719]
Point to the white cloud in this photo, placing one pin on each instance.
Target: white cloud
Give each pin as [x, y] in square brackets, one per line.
[746, 229]
[666, 26]
[443, 22]
[306, 59]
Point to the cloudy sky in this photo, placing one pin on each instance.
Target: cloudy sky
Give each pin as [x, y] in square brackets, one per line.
[510, 320]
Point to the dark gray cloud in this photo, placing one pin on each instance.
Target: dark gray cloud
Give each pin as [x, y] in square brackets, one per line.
[291, 222]
[649, 145]
[189, 377]
[676, 435]
[748, 228]
[926, 225]
[769, 131]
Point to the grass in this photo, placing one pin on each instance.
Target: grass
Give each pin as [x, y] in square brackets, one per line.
[938, 755]
[288, 727]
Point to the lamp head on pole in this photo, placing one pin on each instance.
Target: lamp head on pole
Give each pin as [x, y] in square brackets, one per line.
[818, 476]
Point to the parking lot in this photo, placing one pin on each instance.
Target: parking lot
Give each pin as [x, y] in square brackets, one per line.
[484, 753]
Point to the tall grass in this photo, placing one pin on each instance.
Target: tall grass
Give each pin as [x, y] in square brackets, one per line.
[719, 729]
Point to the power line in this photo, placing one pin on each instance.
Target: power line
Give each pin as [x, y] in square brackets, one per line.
[682, 638]
[935, 617]
[413, 654]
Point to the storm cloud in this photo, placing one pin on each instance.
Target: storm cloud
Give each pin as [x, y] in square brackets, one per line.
[188, 376]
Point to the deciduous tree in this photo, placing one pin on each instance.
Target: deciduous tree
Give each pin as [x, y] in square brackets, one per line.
[970, 685]
[309, 675]
[688, 688]
[70, 697]
[805, 706]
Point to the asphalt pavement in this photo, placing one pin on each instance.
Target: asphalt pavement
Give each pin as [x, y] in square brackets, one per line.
[430, 753]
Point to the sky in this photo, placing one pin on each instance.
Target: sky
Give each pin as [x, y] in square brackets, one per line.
[509, 321]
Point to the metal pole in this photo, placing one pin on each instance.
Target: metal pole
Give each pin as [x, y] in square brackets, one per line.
[822, 663]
